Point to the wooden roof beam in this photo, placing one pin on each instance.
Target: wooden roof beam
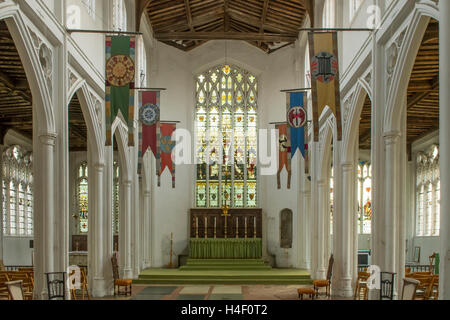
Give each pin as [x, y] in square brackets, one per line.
[422, 95]
[263, 18]
[265, 37]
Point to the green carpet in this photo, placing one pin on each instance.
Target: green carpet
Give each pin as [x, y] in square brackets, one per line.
[224, 272]
[225, 264]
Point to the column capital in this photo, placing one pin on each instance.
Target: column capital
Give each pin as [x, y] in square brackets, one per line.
[99, 166]
[48, 138]
[347, 166]
[391, 137]
[127, 183]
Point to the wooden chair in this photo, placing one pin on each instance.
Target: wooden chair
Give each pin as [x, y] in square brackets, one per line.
[27, 282]
[432, 286]
[84, 285]
[424, 283]
[432, 259]
[56, 285]
[409, 289]
[4, 294]
[325, 283]
[387, 285]
[15, 290]
[361, 288]
[119, 283]
[2, 266]
[317, 284]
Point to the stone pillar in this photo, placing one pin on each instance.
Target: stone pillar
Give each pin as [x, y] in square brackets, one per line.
[146, 223]
[108, 181]
[444, 141]
[44, 213]
[343, 220]
[322, 238]
[98, 227]
[305, 225]
[392, 203]
[125, 230]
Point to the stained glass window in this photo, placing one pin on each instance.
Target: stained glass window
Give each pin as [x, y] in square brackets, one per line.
[116, 203]
[226, 138]
[17, 196]
[82, 197]
[428, 197]
[365, 198]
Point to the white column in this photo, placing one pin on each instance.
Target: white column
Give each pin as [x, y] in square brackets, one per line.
[344, 225]
[146, 231]
[44, 213]
[108, 181]
[125, 230]
[321, 232]
[99, 231]
[444, 141]
[392, 203]
[305, 225]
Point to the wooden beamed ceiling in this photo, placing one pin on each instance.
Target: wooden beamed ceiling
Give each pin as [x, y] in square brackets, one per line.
[16, 100]
[423, 88]
[266, 24]
[422, 94]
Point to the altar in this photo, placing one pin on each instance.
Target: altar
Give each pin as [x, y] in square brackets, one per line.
[236, 235]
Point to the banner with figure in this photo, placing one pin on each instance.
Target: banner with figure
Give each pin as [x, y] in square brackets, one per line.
[284, 153]
[166, 146]
[120, 77]
[323, 49]
[149, 117]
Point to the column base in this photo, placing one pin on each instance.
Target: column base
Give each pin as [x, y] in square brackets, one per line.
[345, 289]
[99, 288]
[128, 273]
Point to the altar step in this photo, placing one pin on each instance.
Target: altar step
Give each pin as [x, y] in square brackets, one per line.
[216, 276]
[225, 264]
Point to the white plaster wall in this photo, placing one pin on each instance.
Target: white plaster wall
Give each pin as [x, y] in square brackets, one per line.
[92, 45]
[176, 71]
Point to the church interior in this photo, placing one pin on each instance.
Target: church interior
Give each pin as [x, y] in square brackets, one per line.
[224, 150]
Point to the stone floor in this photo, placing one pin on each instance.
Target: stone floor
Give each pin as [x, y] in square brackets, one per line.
[215, 292]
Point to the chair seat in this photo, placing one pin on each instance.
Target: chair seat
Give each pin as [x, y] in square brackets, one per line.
[123, 282]
[306, 291]
[321, 283]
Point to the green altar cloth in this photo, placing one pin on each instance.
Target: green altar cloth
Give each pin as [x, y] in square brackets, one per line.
[231, 248]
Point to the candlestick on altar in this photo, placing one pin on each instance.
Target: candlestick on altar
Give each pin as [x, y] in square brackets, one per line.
[245, 227]
[196, 227]
[215, 227]
[237, 227]
[254, 227]
[206, 227]
[170, 265]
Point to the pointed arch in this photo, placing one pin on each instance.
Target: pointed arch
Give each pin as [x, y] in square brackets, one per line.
[94, 129]
[353, 119]
[42, 103]
[415, 31]
[120, 132]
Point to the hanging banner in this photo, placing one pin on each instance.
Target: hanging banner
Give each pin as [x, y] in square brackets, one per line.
[284, 153]
[149, 117]
[297, 119]
[323, 49]
[166, 146]
[120, 77]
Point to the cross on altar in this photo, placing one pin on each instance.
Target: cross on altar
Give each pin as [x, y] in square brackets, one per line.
[225, 214]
